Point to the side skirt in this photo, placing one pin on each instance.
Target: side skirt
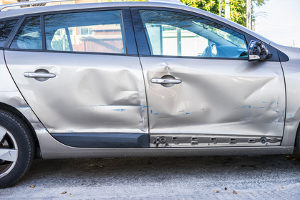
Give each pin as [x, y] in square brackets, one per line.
[167, 152]
[208, 140]
[53, 149]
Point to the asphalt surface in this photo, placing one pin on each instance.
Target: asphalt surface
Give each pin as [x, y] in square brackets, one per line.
[263, 177]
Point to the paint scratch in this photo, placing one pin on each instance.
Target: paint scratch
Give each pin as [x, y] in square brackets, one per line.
[120, 110]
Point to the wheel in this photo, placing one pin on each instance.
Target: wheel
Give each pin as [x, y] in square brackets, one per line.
[297, 144]
[16, 149]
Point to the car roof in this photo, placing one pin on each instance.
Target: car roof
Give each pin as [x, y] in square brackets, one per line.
[81, 6]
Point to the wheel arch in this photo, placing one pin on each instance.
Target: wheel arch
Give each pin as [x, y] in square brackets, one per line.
[17, 113]
[297, 139]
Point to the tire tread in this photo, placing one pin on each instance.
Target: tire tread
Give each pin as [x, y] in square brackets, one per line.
[28, 140]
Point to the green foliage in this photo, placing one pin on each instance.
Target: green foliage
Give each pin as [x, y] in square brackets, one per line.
[207, 5]
[238, 11]
[237, 7]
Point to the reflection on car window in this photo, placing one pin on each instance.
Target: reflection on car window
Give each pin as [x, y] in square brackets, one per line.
[29, 35]
[176, 34]
[6, 26]
[100, 31]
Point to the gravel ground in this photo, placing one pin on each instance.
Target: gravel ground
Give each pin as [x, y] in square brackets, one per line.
[263, 177]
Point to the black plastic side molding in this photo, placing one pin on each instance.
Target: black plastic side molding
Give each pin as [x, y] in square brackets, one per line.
[103, 140]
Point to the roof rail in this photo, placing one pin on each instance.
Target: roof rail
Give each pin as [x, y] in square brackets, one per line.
[43, 2]
[29, 3]
[167, 1]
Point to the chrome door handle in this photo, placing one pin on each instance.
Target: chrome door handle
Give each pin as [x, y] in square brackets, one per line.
[39, 75]
[166, 81]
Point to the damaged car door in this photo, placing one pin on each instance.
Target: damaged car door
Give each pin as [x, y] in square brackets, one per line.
[201, 88]
[80, 73]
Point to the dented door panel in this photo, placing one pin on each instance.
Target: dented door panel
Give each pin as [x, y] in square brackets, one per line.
[90, 93]
[216, 97]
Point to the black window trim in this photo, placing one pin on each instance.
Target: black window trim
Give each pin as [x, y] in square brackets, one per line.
[15, 29]
[129, 40]
[144, 48]
[42, 24]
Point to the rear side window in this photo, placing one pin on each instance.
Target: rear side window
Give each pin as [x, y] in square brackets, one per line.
[6, 26]
[29, 35]
[97, 31]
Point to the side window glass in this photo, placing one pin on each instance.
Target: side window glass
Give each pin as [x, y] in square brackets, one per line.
[5, 29]
[99, 31]
[29, 35]
[176, 34]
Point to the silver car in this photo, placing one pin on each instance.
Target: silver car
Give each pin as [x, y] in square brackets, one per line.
[140, 79]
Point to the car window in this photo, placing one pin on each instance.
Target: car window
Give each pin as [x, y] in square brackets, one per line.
[99, 31]
[6, 26]
[29, 35]
[177, 34]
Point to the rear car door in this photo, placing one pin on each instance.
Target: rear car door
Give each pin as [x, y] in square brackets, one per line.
[201, 89]
[80, 73]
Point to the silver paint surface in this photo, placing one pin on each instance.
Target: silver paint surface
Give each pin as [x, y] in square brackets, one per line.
[292, 78]
[229, 97]
[10, 95]
[90, 93]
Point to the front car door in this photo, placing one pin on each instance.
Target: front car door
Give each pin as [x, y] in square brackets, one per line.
[80, 73]
[201, 89]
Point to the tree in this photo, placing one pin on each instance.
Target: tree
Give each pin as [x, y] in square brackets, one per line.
[237, 7]
[207, 5]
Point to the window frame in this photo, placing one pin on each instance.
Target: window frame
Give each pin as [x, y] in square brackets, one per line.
[19, 25]
[13, 31]
[144, 47]
[127, 28]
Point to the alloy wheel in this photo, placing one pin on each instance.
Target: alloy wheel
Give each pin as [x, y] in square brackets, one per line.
[8, 152]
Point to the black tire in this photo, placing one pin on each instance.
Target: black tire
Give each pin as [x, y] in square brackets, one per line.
[297, 144]
[25, 143]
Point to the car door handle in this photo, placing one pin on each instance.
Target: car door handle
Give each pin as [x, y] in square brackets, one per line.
[39, 75]
[166, 81]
